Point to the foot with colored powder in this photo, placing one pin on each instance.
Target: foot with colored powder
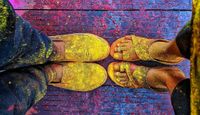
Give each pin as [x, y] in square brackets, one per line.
[134, 48]
[159, 79]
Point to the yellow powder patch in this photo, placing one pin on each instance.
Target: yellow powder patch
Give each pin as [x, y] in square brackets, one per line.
[195, 60]
[3, 16]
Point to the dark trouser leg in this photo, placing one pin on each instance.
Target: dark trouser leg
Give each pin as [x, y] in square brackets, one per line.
[183, 40]
[20, 44]
[181, 98]
[181, 94]
[20, 89]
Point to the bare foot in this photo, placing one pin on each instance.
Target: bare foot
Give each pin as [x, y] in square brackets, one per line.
[128, 75]
[131, 76]
[124, 48]
[134, 48]
[168, 76]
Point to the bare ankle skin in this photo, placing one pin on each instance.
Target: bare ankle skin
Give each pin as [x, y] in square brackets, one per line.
[165, 77]
[165, 50]
[54, 72]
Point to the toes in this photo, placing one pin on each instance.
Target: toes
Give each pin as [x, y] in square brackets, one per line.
[120, 49]
[122, 82]
[122, 44]
[122, 77]
[116, 67]
[117, 74]
[117, 49]
[128, 38]
[118, 56]
[127, 44]
[125, 55]
[125, 41]
[121, 56]
[121, 53]
[119, 68]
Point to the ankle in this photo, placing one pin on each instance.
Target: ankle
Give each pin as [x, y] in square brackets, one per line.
[54, 73]
[165, 51]
[58, 51]
[156, 78]
[50, 74]
[173, 49]
[168, 77]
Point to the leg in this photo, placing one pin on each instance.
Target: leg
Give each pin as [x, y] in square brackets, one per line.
[23, 87]
[158, 79]
[20, 89]
[25, 45]
[133, 76]
[166, 76]
[133, 48]
[180, 47]
[7, 19]
[20, 44]
[178, 87]
[181, 98]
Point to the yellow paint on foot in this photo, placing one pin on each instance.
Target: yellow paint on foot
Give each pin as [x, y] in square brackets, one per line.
[136, 79]
[3, 15]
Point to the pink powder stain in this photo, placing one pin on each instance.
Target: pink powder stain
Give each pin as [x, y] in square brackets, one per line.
[127, 100]
[31, 111]
[19, 4]
[97, 98]
[10, 108]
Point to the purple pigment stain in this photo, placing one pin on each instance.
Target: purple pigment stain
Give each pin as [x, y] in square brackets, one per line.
[31, 111]
[10, 108]
[18, 4]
